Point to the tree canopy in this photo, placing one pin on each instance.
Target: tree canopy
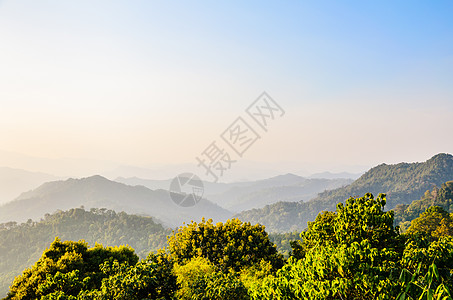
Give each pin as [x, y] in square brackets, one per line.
[232, 245]
[354, 252]
[22, 244]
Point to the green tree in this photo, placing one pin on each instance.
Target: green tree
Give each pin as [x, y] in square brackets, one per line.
[442, 197]
[434, 222]
[66, 268]
[233, 245]
[427, 267]
[192, 278]
[151, 278]
[23, 244]
[140, 281]
[350, 254]
[199, 279]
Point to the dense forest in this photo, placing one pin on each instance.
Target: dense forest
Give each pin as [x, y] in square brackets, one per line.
[442, 197]
[354, 252]
[403, 183]
[22, 244]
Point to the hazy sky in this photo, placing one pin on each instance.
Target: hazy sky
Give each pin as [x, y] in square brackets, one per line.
[145, 82]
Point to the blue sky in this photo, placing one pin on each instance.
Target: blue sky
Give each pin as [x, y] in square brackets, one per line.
[145, 82]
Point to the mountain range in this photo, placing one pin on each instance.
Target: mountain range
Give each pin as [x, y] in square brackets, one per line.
[282, 203]
[151, 197]
[403, 183]
[99, 192]
[239, 196]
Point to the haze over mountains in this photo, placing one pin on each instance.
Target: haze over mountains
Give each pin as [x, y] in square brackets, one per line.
[240, 196]
[403, 183]
[244, 170]
[99, 192]
[330, 175]
[13, 182]
[282, 203]
[279, 202]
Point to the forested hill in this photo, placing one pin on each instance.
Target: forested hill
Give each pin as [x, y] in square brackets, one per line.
[97, 191]
[442, 197]
[403, 183]
[22, 244]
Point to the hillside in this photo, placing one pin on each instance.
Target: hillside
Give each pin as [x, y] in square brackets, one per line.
[442, 197]
[21, 245]
[260, 194]
[402, 183]
[239, 196]
[97, 191]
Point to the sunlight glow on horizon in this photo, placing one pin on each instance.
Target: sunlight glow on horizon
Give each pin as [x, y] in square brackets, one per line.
[149, 82]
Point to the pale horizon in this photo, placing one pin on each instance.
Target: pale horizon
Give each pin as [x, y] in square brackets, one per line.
[148, 84]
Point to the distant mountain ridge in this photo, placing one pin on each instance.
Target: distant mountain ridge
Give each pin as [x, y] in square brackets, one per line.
[330, 175]
[403, 183]
[282, 188]
[238, 196]
[97, 191]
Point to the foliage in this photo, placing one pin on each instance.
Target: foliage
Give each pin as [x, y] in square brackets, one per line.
[354, 252]
[145, 280]
[233, 245]
[285, 242]
[434, 222]
[221, 285]
[191, 277]
[199, 279]
[21, 245]
[67, 267]
[430, 286]
[427, 268]
[442, 197]
[349, 254]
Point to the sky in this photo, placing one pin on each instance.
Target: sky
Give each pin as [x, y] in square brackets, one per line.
[150, 83]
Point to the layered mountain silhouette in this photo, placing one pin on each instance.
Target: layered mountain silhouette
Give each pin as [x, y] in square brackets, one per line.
[403, 183]
[99, 192]
[241, 196]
